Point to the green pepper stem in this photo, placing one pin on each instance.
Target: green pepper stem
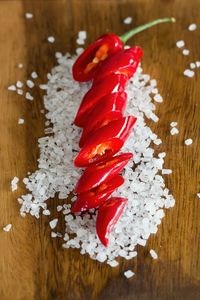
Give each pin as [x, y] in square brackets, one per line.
[126, 36]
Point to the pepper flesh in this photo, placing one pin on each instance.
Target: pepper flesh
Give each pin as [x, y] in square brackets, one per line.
[95, 197]
[94, 175]
[105, 142]
[115, 84]
[88, 62]
[109, 108]
[108, 215]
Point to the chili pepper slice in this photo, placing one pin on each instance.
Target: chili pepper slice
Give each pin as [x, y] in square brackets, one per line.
[108, 215]
[123, 62]
[95, 197]
[116, 83]
[105, 142]
[86, 65]
[109, 108]
[94, 175]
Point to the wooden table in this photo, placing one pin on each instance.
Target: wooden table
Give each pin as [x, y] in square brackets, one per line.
[32, 265]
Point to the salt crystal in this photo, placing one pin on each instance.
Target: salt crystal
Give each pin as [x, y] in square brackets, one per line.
[30, 83]
[162, 154]
[173, 124]
[59, 208]
[188, 142]
[19, 84]
[53, 234]
[197, 64]
[20, 92]
[79, 50]
[20, 121]
[192, 27]
[186, 52]
[43, 86]
[51, 39]
[180, 44]
[80, 41]
[198, 195]
[34, 75]
[128, 20]
[192, 65]
[82, 35]
[153, 254]
[14, 183]
[158, 98]
[28, 15]
[12, 88]
[20, 66]
[46, 212]
[166, 171]
[157, 142]
[7, 227]
[53, 223]
[128, 274]
[127, 47]
[28, 96]
[174, 131]
[113, 263]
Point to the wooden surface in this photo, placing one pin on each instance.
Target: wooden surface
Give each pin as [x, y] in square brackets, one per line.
[32, 265]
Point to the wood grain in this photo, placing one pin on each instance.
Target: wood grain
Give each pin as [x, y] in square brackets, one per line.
[32, 265]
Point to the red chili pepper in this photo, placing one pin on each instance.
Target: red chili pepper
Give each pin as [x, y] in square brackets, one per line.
[95, 197]
[86, 65]
[108, 215]
[104, 47]
[123, 62]
[94, 175]
[116, 83]
[109, 108]
[105, 142]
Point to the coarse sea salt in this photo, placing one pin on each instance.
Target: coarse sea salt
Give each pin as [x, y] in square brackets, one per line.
[51, 39]
[180, 44]
[128, 274]
[7, 228]
[14, 182]
[198, 195]
[128, 20]
[188, 73]
[174, 131]
[28, 15]
[53, 223]
[153, 254]
[186, 52]
[28, 96]
[12, 88]
[82, 35]
[30, 83]
[144, 188]
[173, 124]
[34, 75]
[20, 121]
[192, 27]
[188, 142]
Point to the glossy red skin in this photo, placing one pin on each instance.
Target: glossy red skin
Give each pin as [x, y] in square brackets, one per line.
[123, 62]
[109, 108]
[115, 83]
[114, 44]
[96, 196]
[94, 175]
[108, 215]
[110, 137]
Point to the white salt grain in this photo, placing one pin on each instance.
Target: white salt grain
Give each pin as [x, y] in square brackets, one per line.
[34, 75]
[80, 41]
[157, 142]
[28, 96]
[188, 142]
[51, 39]
[7, 227]
[180, 44]
[192, 65]
[14, 182]
[20, 92]
[186, 52]
[12, 88]
[158, 98]
[20, 66]
[30, 83]
[53, 223]
[20, 121]
[43, 86]
[128, 274]
[128, 20]
[82, 35]
[166, 171]
[173, 124]
[46, 212]
[28, 15]
[153, 254]
[192, 27]
[188, 73]
[113, 263]
[127, 47]
[59, 208]
[197, 64]
[79, 50]
[174, 131]
[53, 234]
[19, 84]
[198, 195]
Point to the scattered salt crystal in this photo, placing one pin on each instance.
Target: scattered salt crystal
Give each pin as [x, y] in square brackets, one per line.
[46, 212]
[180, 44]
[30, 83]
[101, 257]
[155, 91]
[174, 131]
[192, 27]
[192, 65]
[166, 171]
[53, 223]
[82, 35]
[51, 39]
[198, 195]
[43, 86]
[186, 52]
[128, 20]
[157, 142]
[188, 73]
[113, 263]
[12, 88]
[28, 96]
[28, 15]
[20, 92]
[34, 75]
[127, 47]
[153, 254]
[20, 66]
[53, 234]
[158, 98]
[20, 121]
[14, 183]
[173, 124]
[128, 274]
[153, 83]
[7, 227]
[59, 208]
[188, 142]
[153, 117]
[19, 84]
[80, 41]
[198, 64]
[79, 50]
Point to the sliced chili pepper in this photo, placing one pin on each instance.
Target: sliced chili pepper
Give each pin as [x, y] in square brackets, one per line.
[109, 108]
[108, 215]
[86, 65]
[123, 62]
[116, 83]
[95, 197]
[105, 142]
[94, 175]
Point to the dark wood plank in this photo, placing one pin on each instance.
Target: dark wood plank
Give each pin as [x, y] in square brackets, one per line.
[32, 265]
